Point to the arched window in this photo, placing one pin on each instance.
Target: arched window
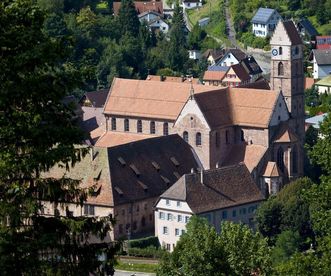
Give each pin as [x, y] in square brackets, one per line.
[139, 126]
[227, 137]
[185, 136]
[280, 159]
[217, 139]
[152, 127]
[280, 50]
[165, 129]
[294, 158]
[296, 50]
[242, 136]
[113, 123]
[280, 69]
[126, 125]
[198, 139]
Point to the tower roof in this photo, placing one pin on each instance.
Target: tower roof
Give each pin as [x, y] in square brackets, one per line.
[286, 34]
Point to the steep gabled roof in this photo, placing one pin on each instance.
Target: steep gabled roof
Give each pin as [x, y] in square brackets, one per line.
[285, 134]
[149, 99]
[250, 155]
[142, 6]
[138, 178]
[309, 28]
[262, 15]
[292, 32]
[237, 106]
[214, 75]
[220, 188]
[272, 170]
[126, 173]
[251, 65]
[260, 83]
[323, 57]
[240, 71]
[96, 98]
[237, 53]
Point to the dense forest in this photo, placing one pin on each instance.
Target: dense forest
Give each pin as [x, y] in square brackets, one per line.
[104, 46]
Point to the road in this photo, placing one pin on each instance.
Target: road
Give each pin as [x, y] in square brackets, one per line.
[130, 273]
[230, 27]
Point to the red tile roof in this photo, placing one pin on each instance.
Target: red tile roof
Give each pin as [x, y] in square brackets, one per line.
[142, 6]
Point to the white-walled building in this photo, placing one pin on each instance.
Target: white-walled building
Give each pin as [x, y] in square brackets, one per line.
[264, 22]
[321, 63]
[191, 4]
[220, 194]
[154, 20]
[230, 57]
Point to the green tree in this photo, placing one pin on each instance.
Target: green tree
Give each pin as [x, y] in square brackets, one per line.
[198, 252]
[288, 210]
[36, 133]
[287, 243]
[246, 252]
[195, 38]
[128, 18]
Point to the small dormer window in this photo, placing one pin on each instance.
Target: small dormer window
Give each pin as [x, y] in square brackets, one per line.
[126, 125]
[139, 126]
[113, 123]
[152, 127]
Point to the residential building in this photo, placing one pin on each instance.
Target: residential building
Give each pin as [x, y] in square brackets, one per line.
[214, 75]
[127, 180]
[154, 21]
[142, 6]
[251, 67]
[236, 76]
[324, 85]
[194, 54]
[307, 30]
[230, 57]
[213, 55]
[323, 42]
[264, 22]
[221, 194]
[191, 4]
[321, 63]
[182, 79]
[315, 121]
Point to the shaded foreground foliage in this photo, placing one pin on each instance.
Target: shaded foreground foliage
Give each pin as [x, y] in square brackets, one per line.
[37, 131]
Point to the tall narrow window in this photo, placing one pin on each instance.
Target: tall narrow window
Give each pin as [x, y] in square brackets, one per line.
[198, 139]
[242, 136]
[227, 137]
[139, 126]
[280, 159]
[152, 127]
[280, 50]
[113, 123]
[294, 160]
[165, 129]
[126, 125]
[217, 139]
[280, 69]
[185, 136]
[296, 50]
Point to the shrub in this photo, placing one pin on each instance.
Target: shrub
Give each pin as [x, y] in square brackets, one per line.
[148, 252]
[145, 242]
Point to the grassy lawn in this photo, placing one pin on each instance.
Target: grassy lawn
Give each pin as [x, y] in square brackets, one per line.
[136, 267]
[322, 29]
[204, 11]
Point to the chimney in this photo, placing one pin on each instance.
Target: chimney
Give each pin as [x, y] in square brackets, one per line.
[161, 78]
[201, 176]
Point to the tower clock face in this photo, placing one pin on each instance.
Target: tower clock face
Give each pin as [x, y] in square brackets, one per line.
[274, 52]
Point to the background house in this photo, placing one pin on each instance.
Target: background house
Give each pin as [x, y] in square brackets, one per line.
[236, 76]
[264, 22]
[219, 194]
[307, 30]
[213, 55]
[323, 42]
[230, 57]
[191, 4]
[154, 20]
[321, 63]
[324, 85]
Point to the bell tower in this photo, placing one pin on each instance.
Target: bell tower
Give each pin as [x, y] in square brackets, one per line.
[287, 73]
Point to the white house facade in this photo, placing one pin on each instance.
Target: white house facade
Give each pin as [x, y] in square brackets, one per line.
[264, 22]
[321, 63]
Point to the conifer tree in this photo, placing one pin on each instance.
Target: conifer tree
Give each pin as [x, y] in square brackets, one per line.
[37, 131]
[128, 18]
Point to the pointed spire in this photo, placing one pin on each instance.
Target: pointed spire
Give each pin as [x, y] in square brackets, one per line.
[191, 89]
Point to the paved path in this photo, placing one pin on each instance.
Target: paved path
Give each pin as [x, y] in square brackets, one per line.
[229, 25]
[131, 273]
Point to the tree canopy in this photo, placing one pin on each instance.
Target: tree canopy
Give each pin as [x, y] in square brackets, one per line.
[38, 131]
